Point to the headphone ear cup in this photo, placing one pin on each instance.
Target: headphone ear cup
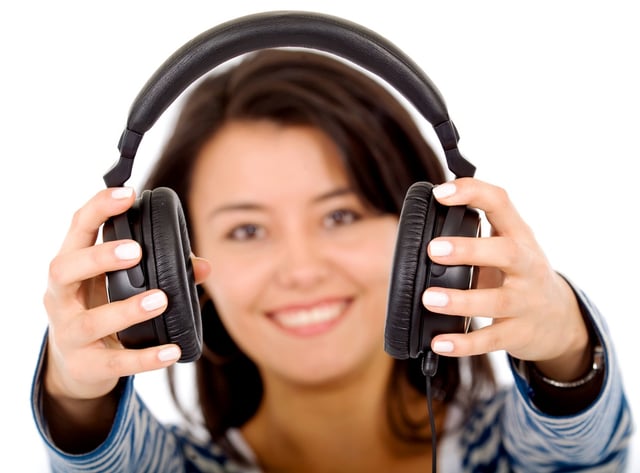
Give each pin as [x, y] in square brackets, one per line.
[157, 222]
[169, 268]
[409, 271]
[409, 325]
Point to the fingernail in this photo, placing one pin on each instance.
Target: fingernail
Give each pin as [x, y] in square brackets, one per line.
[440, 248]
[128, 251]
[154, 301]
[442, 347]
[122, 193]
[444, 190]
[169, 354]
[435, 298]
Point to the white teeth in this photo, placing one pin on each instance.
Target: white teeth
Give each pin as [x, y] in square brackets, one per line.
[315, 315]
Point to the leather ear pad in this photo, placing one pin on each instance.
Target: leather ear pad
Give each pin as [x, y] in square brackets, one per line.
[170, 269]
[409, 325]
[157, 222]
[408, 274]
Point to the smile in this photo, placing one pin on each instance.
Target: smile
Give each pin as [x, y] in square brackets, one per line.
[310, 320]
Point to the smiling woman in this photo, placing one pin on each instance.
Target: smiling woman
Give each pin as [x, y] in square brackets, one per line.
[280, 335]
[292, 168]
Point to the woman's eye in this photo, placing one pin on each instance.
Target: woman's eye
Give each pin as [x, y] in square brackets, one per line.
[246, 232]
[341, 217]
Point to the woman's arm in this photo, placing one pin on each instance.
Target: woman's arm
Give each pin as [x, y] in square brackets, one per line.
[595, 436]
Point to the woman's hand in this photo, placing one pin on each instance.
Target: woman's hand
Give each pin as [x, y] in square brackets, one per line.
[535, 315]
[85, 360]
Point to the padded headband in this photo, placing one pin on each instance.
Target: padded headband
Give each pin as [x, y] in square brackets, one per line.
[285, 29]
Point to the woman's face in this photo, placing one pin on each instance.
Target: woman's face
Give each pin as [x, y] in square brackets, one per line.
[300, 264]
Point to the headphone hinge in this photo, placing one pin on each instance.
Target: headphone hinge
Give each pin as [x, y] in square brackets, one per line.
[128, 143]
[449, 137]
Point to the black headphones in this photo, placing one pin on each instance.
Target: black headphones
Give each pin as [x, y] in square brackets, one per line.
[157, 222]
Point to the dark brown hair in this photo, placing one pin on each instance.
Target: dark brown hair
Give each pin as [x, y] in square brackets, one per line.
[384, 153]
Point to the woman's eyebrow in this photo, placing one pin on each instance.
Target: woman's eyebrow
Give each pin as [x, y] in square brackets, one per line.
[234, 207]
[252, 206]
[339, 192]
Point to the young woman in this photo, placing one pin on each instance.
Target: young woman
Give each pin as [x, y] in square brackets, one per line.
[292, 168]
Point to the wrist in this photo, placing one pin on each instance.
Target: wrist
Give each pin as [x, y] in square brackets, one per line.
[596, 365]
[560, 397]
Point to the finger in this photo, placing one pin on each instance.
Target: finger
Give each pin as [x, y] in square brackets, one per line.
[488, 339]
[503, 253]
[129, 361]
[201, 268]
[493, 200]
[87, 220]
[493, 302]
[113, 363]
[108, 319]
[68, 269]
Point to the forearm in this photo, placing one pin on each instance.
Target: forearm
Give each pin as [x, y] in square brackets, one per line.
[570, 383]
[128, 436]
[78, 426]
[578, 359]
[594, 435]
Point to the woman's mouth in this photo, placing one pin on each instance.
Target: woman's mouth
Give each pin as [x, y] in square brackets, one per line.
[310, 320]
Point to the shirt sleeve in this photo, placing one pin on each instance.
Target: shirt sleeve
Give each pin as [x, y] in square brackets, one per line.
[594, 439]
[137, 442]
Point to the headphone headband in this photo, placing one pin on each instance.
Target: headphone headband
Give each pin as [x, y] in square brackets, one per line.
[285, 29]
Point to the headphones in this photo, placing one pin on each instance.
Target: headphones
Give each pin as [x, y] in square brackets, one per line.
[157, 222]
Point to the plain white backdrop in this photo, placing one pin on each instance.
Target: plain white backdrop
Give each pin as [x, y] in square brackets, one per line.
[545, 96]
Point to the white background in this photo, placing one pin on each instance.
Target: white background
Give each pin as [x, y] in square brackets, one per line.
[545, 97]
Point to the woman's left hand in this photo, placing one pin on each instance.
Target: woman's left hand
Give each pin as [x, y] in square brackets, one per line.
[535, 314]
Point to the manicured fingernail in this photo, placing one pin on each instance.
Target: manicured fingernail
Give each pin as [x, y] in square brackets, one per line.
[169, 354]
[128, 251]
[442, 347]
[121, 192]
[444, 190]
[435, 298]
[154, 301]
[440, 248]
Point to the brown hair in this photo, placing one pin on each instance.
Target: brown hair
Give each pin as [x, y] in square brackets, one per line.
[374, 132]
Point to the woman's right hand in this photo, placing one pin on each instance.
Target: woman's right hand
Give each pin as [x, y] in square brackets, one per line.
[85, 360]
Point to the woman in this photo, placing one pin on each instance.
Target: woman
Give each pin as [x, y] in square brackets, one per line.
[292, 168]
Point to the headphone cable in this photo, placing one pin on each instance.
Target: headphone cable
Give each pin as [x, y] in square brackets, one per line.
[429, 368]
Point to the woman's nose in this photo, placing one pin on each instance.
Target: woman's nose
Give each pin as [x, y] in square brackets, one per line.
[302, 263]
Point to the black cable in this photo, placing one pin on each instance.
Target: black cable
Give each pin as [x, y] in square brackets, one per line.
[429, 368]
